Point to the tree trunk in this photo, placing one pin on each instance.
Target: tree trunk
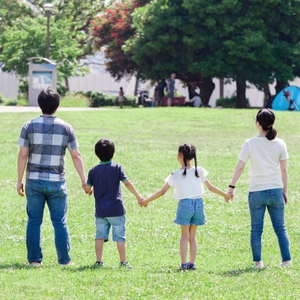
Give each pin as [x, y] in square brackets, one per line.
[280, 85]
[206, 88]
[191, 89]
[266, 88]
[136, 85]
[221, 82]
[67, 84]
[240, 92]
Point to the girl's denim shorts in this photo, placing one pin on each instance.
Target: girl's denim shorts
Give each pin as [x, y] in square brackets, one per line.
[190, 212]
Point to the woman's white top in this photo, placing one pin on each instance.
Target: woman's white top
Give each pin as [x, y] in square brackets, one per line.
[264, 156]
[189, 186]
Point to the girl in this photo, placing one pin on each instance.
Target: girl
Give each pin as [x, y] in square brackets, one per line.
[268, 184]
[188, 190]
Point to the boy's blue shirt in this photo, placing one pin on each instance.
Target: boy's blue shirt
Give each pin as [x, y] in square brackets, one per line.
[105, 179]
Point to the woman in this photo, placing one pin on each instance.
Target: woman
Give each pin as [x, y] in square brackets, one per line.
[268, 184]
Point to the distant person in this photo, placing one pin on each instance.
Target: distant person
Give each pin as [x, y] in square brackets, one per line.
[171, 88]
[292, 104]
[121, 97]
[194, 102]
[188, 191]
[268, 101]
[43, 142]
[268, 184]
[162, 85]
[104, 180]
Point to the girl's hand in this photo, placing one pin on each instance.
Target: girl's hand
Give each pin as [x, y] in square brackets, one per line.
[144, 202]
[228, 197]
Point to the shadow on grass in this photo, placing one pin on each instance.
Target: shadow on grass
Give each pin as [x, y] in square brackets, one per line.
[235, 273]
[16, 266]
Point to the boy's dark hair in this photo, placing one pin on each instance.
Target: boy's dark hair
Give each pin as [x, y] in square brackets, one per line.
[189, 152]
[266, 118]
[105, 149]
[48, 101]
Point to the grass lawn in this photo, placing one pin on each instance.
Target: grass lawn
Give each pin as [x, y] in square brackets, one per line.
[146, 143]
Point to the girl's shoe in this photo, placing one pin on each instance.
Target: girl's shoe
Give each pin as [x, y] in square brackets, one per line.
[99, 264]
[125, 265]
[191, 266]
[258, 265]
[36, 264]
[286, 264]
[183, 267]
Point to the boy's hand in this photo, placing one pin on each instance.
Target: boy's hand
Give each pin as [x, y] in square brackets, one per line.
[144, 203]
[140, 200]
[87, 189]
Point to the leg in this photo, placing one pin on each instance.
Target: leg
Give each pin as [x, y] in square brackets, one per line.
[169, 101]
[185, 235]
[276, 211]
[257, 213]
[193, 243]
[99, 249]
[119, 235]
[57, 203]
[35, 210]
[121, 246]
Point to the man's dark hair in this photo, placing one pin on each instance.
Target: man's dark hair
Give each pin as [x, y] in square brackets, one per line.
[105, 149]
[48, 101]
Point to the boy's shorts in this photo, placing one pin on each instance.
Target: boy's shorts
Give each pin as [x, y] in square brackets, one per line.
[118, 228]
[190, 212]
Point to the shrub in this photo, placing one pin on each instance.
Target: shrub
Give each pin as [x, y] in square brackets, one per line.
[229, 102]
[1, 99]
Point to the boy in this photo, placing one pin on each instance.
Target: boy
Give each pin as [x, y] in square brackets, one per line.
[104, 179]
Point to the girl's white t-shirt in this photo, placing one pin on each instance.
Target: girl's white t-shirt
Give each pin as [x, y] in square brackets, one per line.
[189, 186]
[264, 156]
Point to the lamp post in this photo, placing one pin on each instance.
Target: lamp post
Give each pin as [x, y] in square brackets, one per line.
[48, 7]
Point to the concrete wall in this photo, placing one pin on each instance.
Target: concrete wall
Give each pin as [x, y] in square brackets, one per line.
[105, 83]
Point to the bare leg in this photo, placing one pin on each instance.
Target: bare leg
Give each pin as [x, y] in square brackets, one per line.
[122, 250]
[193, 243]
[169, 101]
[184, 243]
[99, 248]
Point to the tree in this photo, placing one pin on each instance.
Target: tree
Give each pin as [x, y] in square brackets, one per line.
[225, 39]
[112, 29]
[26, 38]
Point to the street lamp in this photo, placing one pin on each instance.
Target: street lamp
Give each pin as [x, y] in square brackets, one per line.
[48, 7]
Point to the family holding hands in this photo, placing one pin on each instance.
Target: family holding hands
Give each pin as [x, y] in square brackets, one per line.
[44, 140]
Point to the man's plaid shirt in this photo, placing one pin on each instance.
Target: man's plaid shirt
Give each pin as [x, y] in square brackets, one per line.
[47, 138]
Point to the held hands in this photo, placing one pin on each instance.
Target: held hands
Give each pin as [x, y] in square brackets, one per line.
[87, 189]
[143, 202]
[228, 197]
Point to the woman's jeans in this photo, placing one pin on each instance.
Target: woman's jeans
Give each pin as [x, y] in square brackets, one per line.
[273, 200]
[39, 192]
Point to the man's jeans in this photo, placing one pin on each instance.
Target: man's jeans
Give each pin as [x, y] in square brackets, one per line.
[273, 200]
[39, 192]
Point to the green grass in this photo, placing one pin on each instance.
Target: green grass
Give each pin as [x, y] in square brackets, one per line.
[146, 143]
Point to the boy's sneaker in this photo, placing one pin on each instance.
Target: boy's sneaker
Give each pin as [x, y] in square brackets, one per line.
[183, 267]
[99, 264]
[191, 266]
[258, 265]
[125, 264]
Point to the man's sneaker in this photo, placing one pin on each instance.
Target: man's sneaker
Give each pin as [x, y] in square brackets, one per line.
[286, 264]
[191, 266]
[36, 264]
[183, 267]
[258, 265]
[99, 264]
[125, 264]
[70, 263]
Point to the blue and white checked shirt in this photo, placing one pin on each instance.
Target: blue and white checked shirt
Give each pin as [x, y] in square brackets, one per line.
[47, 138]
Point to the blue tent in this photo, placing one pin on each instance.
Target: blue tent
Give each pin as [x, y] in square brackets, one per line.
[280, 102]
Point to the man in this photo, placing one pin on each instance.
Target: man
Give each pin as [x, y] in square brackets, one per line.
[194, 102]
[43, 142]
[171, 88]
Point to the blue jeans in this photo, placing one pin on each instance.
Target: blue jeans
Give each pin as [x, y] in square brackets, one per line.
[273, 200]
[39, 192]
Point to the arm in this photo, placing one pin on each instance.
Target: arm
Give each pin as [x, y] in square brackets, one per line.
[236, 175]
[217, 191]
[22, 161]
[284, 176]
[192, 100]
[132, 189]
[78, 164]
[156, 195]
